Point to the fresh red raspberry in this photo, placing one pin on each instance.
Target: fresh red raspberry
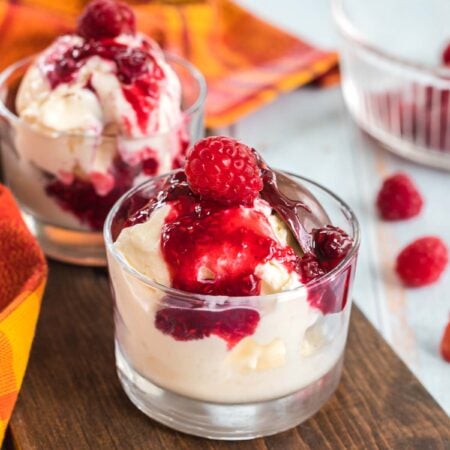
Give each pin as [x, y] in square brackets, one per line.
[331, 245]
[399, 198]
[422, 262]
[106, 19]
[223, 170]
[446, 55]
[445, 343]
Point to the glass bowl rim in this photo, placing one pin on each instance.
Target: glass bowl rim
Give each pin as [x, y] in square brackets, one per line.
[170, 57]
[237, 300]
[347, 28]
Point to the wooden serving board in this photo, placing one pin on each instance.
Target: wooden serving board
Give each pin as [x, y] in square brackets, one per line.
[71, 397]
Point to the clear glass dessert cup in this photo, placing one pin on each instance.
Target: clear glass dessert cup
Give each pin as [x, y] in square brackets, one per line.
[394, 84]
[68, 221]
[206, 384]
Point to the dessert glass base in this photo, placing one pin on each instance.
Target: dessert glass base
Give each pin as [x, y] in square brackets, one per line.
[225, 421]
[84, 248]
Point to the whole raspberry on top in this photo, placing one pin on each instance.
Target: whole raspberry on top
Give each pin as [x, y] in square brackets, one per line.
[445, 343]
[223, 170]
[106, 19]
[422, 262]
[399, 198]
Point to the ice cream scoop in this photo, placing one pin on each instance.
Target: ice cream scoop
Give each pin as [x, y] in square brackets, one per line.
[216, 299]
[110, 95]
[223, 227]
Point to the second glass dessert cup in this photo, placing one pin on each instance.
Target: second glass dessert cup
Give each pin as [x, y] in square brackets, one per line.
[179, 362]
[68, 222]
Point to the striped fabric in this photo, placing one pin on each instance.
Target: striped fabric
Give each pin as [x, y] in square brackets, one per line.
[23, 273]
[247, 62]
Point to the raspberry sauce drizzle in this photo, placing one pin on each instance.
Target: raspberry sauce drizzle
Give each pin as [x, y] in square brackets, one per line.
[222, 244]
[214, 249]
[81, 199]
[137, 70]
[182, 229]
[190, 324]
[226, 243]
[293, 212]
[140, 76]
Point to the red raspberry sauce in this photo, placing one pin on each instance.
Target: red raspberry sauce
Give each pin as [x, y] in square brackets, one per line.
[231, 242]
[81, 199]
[137, 70]
[189, 324]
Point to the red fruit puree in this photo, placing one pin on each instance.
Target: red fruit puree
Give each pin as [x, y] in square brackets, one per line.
[230, 242]
[137, 70]
[81, 199]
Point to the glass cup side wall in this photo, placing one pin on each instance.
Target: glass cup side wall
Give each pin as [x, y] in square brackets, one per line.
[67, 216]
[204, 386]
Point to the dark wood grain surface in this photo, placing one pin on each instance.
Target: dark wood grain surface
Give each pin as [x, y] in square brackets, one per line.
[71, 398]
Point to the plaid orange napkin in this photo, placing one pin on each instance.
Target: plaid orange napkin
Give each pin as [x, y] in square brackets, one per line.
[246, 61]
[23, 273]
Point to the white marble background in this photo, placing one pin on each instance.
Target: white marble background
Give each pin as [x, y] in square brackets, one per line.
[309, 132]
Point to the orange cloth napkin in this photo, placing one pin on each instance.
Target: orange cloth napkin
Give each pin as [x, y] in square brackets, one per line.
[246, 61]
[23, 272]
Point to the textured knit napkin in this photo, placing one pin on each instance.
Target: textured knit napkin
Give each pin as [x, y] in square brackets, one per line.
[246, 61]
[23, 272]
